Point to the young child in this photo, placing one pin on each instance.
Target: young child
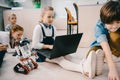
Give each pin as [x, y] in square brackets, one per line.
[11, 38]
[15, 35]
[107, 38]
[12, 22]
[43, 38]
[26, 63]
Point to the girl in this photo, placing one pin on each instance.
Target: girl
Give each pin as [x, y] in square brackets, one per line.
[107, 37]
[12, 38]
[43, 38]
[12, 22]
[16, 33]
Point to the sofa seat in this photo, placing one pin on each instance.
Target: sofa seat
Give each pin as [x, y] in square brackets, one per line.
[48, 71]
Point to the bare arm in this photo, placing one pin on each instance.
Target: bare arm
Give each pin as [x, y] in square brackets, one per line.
[113, 74]
[47, 46]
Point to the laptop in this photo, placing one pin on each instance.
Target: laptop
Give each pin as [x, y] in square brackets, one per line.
[63, 45]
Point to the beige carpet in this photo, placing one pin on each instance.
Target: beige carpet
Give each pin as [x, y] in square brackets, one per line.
[48, 71]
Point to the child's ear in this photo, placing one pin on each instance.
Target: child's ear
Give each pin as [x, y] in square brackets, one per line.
[41, 18]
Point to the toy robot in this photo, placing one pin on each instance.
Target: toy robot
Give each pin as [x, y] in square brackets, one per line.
[26, 58]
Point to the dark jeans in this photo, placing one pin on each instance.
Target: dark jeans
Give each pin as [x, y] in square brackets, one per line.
[2, 54]
[41, 58]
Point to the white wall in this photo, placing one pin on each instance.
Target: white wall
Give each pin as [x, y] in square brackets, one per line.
[60, 5]
[88, 16]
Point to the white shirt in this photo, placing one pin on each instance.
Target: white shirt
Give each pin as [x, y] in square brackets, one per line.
[4, 37]
[38, 35]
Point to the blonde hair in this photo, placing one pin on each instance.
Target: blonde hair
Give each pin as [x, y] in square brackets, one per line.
[11, 15]
[43, 10]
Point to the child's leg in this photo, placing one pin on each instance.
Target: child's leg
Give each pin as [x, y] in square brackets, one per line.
[66, 64]
[99, 59]
[95, 48]
[87, 66]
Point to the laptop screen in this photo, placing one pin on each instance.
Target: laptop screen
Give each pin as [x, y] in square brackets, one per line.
[66, 44]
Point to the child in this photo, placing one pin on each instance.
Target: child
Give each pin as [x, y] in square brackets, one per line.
[12, 38]
[12, 19]
[107, 37]
[43, 38]
[26, 62]
[15, 35]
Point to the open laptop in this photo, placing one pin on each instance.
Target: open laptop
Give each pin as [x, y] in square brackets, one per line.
[63, 45]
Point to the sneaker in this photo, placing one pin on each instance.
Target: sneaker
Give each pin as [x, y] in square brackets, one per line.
[19, 68]
[99, 61]
[89, 65]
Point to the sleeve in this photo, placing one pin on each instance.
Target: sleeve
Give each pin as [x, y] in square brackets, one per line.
[37, 37]
[8, 27]
[100, 34]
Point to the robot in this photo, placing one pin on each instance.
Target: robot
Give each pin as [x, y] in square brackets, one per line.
[26, 58]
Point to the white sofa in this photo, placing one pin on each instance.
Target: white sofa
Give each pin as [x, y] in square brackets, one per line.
[88, 16]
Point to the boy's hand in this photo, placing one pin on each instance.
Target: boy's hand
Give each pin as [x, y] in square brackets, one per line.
[113, 75]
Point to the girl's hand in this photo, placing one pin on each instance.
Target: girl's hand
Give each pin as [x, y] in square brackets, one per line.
[3, 47]
[50, 46]
[113, 75]
[47, 46]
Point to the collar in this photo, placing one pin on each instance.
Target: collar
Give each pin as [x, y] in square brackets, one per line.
[47, 26]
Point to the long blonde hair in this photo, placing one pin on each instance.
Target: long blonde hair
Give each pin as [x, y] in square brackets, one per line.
[43, 10]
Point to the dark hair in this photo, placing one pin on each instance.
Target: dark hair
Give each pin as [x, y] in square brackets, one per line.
[110, 12]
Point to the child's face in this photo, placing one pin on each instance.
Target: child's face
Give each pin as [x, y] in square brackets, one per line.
[12, 19]
[114, 26]
[48, 17]
[17, 35]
